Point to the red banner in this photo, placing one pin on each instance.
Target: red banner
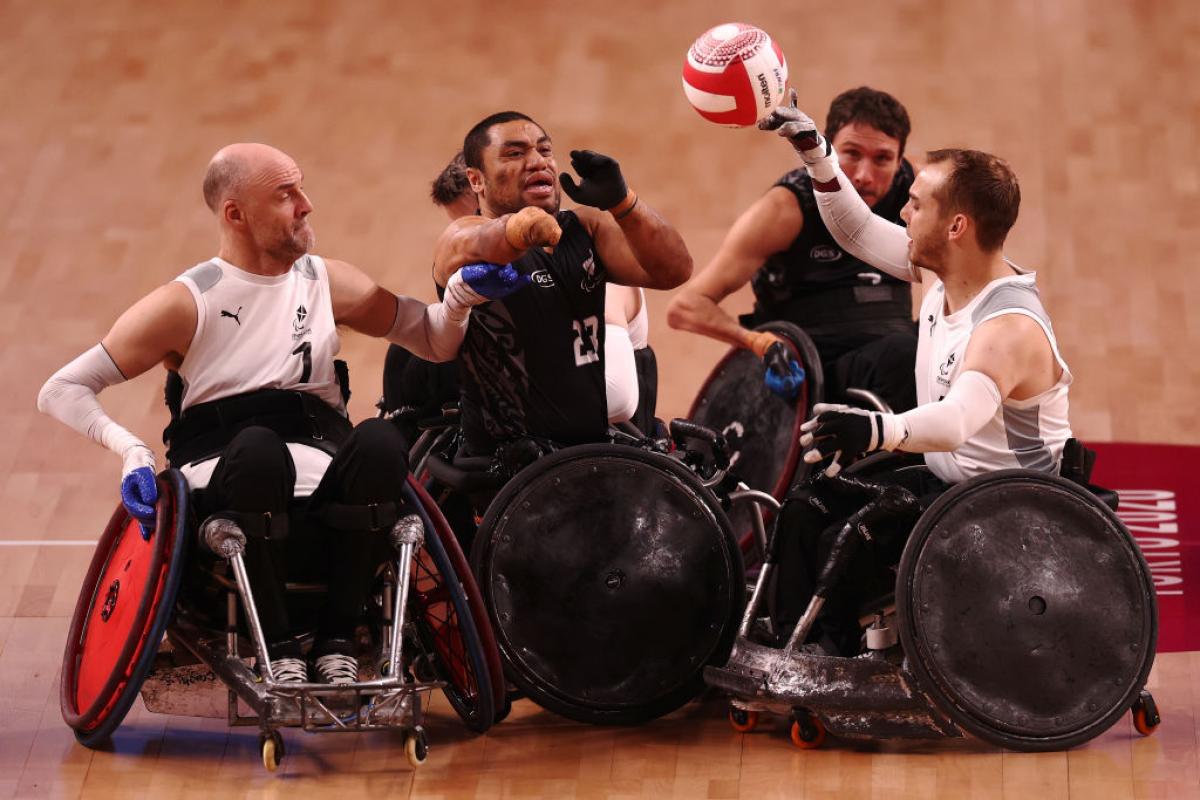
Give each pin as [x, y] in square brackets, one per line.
[1160, 504]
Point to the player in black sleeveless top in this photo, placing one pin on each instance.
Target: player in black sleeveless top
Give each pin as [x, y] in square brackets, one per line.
[533, 362]
[532, 366]
[859, 319]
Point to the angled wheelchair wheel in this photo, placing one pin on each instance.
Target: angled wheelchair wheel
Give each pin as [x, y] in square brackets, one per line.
[127, 599]
[1026, 610]
[612, 578]
[762, 429]
[446, 622]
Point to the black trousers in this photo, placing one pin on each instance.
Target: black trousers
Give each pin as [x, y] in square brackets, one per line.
[812, 515]
[881, 364]
[256, 475]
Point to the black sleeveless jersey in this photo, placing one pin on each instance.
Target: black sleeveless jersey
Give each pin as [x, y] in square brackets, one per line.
[532, 364]
[815, 283]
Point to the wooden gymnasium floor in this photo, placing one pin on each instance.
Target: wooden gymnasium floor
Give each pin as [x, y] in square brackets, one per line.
[111, 111]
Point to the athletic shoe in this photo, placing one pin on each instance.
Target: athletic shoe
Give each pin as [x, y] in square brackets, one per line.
[289, 670]
[337, 668]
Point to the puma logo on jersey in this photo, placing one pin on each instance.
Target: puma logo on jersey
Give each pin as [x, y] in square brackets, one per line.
[233, 315]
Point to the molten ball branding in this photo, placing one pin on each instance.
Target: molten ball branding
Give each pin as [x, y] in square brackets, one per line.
[734, 74]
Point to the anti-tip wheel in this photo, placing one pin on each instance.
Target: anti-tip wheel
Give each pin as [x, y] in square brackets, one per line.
[272, 750]
[742, 720]
[1146, 718]
[416, 747]
[808, 732]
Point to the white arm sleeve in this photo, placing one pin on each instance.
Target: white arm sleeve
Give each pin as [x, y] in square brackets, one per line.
[944, 426]
[435, 332]
[862, 234]
[620, 374]
[70, 397]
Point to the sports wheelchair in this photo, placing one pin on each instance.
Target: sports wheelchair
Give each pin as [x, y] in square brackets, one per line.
[1023, 614]
[610, 571]
[133, 630]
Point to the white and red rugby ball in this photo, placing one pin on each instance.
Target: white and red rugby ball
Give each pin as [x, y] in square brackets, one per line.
[734, 74]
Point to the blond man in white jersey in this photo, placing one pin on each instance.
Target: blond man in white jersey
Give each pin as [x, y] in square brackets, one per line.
[249, 339]
[992, 387]
[991, 384]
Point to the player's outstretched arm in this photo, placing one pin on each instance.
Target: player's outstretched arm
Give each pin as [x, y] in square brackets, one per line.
[1009, 357]
[767, 227]
[861, 233]
[156, 329]
[476, 240]
[637, 246]
[432, 331]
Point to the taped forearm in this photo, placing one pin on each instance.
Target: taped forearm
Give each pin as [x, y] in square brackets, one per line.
[433, 332]
[860, 232]
[620, 374]
[70, 397]
[946, 425]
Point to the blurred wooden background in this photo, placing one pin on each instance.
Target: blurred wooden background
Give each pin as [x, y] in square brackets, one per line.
[112, 110]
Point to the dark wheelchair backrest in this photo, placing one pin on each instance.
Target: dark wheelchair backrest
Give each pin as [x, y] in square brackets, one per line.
[1077, 464]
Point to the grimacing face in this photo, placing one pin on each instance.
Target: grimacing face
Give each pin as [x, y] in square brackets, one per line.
[928, 223]
[277, 209]
[519, 169]
[869, 157]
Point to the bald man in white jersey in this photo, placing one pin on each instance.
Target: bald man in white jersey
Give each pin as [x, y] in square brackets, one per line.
[991, 384]
[258, 411]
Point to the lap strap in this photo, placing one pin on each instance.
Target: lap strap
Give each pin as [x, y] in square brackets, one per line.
[351, 517]
[204, 430]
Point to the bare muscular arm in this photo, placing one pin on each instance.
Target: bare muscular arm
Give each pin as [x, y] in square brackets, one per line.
[640, 249]
[157, 329]
[471, 240]
[767, 227]
[1013, 351]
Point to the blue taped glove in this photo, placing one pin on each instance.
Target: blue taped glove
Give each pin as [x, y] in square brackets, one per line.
[786, 385]
[139, 493]
[494, 281]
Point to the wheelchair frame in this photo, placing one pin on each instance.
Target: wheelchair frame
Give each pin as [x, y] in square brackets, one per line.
[394, 699]
[877, 694]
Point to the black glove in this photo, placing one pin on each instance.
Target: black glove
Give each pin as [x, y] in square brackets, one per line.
[842, 432]
[602, 185]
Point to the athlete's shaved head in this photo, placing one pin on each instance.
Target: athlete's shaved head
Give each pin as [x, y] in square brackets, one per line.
[235, 164]
[257, 193]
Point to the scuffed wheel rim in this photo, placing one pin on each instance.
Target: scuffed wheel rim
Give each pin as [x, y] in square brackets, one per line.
[1026, 610]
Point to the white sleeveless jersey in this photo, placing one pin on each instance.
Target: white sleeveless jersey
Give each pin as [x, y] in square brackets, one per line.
[258, 332]
[1023, 433]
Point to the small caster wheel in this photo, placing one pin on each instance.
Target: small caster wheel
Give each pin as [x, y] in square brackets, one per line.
[808, 733]
[1145, 714]
[742, 720]
[416, 747]
[272, 750]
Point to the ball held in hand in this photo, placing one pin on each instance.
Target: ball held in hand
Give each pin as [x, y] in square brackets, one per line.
[734, 74]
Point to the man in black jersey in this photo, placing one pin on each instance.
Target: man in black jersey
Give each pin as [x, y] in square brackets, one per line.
[532, 365]
[859, 318]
